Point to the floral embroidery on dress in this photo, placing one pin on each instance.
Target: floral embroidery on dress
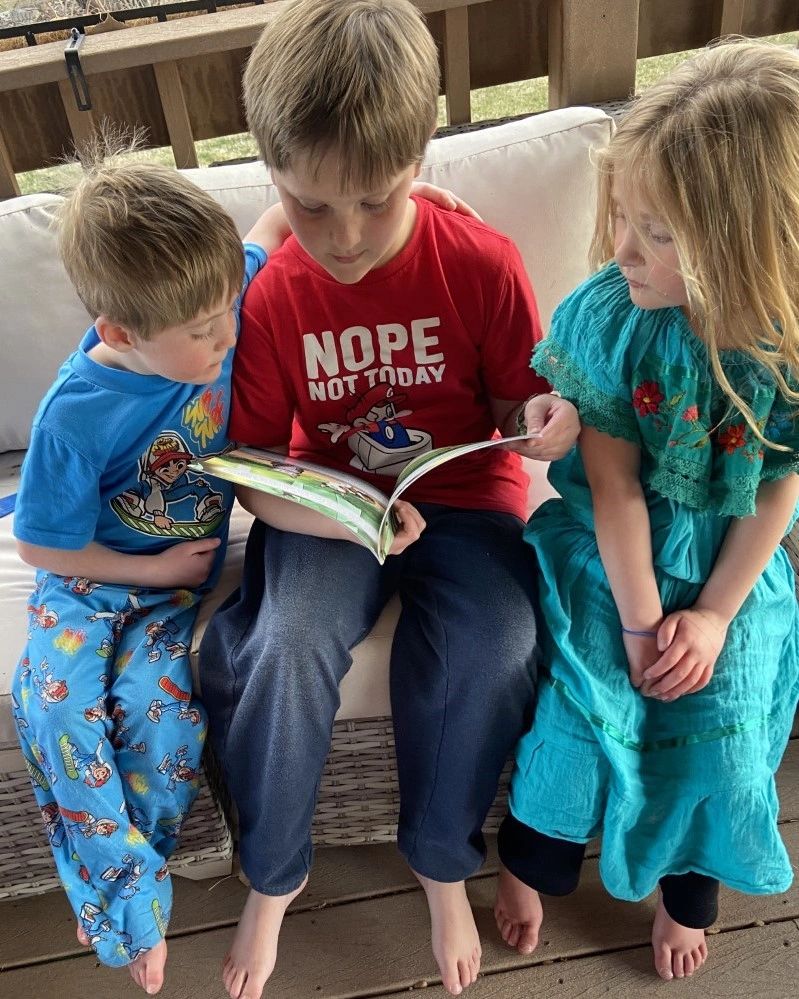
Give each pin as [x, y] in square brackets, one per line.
[668, 417]
[647, 398]
[732, 437]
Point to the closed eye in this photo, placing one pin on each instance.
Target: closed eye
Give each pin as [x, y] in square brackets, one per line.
[660, 236]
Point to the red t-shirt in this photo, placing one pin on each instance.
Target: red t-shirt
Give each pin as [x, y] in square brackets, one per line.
[364, 377]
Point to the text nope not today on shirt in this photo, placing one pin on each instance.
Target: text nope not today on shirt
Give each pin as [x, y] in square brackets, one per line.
[334, 363]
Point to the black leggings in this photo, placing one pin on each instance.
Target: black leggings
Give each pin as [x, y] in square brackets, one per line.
[552, 866]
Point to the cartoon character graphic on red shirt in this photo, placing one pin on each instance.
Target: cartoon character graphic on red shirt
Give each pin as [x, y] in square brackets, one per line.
[376, 434]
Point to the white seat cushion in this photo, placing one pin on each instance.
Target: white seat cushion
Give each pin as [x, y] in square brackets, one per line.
[16, 584]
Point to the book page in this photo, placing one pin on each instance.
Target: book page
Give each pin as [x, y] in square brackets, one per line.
[344, 498]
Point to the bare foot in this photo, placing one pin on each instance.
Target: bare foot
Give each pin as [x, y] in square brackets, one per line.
[147, 971]
[83, 936]
[518, 912]
[679, 950]
[251, 958]
[456, 943]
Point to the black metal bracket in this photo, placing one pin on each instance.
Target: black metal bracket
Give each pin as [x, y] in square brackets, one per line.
[80, 86]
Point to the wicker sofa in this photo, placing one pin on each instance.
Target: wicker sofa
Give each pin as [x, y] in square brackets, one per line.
[531, 178]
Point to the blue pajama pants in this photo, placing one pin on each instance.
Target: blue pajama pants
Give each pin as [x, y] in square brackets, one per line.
[112, 741]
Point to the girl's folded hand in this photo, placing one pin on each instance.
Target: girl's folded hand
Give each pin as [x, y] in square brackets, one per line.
[692, 640]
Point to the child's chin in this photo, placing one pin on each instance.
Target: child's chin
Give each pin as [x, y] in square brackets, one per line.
[208, 378]
[347, 275]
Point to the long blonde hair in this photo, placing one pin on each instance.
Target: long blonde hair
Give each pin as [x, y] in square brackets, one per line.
[714, 149]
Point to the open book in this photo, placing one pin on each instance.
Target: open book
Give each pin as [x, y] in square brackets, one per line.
[361, 508]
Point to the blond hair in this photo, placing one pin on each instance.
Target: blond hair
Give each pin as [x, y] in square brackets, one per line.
[359, 77]
[145, 247]
[713, 150]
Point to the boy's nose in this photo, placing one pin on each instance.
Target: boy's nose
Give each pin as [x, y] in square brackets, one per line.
[229, 339]
[345, 237]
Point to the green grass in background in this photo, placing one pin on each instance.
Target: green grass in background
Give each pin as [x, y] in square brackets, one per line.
[524, 97]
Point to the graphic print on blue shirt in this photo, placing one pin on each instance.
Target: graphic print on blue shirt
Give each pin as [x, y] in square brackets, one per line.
[169, 499]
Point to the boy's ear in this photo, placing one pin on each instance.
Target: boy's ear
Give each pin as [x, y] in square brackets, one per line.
[114, 336]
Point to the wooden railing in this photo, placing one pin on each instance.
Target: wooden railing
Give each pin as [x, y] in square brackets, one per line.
[181, 79]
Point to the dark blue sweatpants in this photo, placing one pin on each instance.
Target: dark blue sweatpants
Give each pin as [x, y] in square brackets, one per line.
[462, 680]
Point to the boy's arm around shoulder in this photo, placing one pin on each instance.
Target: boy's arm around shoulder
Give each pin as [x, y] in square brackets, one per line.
[271, 230]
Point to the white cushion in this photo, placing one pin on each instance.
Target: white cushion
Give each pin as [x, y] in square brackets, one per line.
[532, 179]
[41, 317]
[16, 584]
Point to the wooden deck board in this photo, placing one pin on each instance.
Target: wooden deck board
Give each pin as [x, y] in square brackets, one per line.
[340, 874]
[380, 946]
[759, 963]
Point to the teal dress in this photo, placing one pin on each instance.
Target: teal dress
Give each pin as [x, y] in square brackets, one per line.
[687, 785]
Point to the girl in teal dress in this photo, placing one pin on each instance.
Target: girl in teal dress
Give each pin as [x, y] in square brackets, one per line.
[670, 631]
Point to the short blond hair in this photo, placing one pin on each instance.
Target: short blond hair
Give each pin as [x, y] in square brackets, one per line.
[713, 150]
[357, 76]
[145, 247]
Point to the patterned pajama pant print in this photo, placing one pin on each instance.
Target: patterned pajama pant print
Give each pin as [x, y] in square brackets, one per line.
[112, 741]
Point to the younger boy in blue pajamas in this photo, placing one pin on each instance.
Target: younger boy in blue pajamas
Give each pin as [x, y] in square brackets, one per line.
[125, 538]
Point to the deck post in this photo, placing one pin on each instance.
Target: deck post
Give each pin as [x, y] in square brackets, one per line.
[9, 188]
[593, 49]
[456, 65]
[728, 17]
[81, 123]
[176, 115]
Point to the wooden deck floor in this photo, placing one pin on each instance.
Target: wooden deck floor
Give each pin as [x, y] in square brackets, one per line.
[361, 930]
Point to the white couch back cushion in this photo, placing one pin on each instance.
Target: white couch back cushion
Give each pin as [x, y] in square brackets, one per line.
[532, 179]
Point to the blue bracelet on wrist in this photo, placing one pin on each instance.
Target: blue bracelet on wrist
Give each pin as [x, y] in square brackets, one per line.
[638, 634]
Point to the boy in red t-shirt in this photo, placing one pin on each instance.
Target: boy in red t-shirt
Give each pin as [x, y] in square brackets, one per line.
[383, 328]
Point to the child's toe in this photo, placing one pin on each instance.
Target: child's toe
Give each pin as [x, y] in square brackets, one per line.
[528, 940]
[663, 962]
